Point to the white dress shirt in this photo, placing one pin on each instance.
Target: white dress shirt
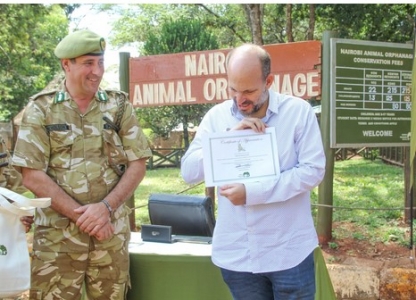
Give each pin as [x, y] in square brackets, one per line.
[274, 230]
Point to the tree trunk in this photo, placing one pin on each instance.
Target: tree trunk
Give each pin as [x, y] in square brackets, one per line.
[254, 14]
[289, 25]
[311, 28]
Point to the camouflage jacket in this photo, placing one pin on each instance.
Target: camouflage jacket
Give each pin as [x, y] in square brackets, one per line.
[9, 177]
[83, 153]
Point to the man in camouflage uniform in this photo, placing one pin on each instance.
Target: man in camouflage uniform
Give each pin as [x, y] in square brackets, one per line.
[11, 179]
[83, 147]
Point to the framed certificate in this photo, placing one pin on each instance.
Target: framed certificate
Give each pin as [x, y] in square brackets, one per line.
[240, 156]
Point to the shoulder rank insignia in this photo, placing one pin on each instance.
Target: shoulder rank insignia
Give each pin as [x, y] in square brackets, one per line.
[102, 96]
[59, 97]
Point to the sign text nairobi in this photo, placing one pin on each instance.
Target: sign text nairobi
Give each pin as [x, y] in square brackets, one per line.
[200, 77]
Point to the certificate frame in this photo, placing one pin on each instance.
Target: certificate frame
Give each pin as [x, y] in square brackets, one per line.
[240, 156]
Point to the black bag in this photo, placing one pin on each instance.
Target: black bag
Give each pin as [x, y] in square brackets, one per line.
[186, 214]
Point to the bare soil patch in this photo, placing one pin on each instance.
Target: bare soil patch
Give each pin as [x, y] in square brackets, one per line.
[340, 249]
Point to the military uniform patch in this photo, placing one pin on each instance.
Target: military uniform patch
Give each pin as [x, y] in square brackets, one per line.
[59, 97]
[57, 127]
[102, 96]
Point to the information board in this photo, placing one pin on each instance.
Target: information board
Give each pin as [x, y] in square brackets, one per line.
[370, 93]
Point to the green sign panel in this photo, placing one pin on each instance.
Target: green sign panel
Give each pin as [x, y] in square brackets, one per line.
[370, 93]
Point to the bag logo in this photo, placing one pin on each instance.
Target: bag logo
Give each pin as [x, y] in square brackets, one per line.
[3, 250]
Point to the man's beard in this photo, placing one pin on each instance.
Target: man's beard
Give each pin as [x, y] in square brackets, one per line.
[262, 99]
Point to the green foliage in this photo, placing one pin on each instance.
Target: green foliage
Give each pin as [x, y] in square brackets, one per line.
[333, 245]
[275, 21]
[377, 22]
[230, 25]
[138, 22]
[175, 36]
[163, 119]
[274, 26]
[228, 21]
[182, 35]
[28, 35]
[69, 9]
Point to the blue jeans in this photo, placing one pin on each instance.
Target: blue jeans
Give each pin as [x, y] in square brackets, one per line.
[297, 283]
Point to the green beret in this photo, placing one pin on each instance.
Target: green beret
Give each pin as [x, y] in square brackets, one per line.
[81, 42]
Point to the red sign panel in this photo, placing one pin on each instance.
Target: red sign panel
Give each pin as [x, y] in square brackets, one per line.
[200, 77]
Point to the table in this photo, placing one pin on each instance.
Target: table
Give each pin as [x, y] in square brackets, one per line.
[184, 271]
[177, 271]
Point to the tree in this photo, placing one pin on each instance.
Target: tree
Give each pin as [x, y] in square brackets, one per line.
[254, 14]
[226, 21]
[28, 36]
[69, 9]
[272, 23]
[176, 36]
[378, 22]
[311, 21]
[289, 24]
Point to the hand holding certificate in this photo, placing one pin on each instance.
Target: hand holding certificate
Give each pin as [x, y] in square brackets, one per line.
[240, 156]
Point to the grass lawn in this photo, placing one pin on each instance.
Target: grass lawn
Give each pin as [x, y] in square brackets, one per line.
[161, 180]
[369, 194]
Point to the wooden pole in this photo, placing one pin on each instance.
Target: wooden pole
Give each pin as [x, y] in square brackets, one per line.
[325, 189]
[124, 78]
[407, 175]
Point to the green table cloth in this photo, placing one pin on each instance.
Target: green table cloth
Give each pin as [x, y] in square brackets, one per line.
[184, 271]
[178, 271]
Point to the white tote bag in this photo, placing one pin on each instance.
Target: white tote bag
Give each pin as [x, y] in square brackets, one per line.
[14, 253]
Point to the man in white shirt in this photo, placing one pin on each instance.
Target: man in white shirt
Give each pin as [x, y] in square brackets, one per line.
[264, 236]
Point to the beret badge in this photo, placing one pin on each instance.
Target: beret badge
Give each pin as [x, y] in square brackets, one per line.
[102, 44]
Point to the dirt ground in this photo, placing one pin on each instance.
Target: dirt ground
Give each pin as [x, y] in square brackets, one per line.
[365, 249]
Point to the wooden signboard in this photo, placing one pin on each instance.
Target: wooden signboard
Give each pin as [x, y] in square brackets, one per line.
[200, 77]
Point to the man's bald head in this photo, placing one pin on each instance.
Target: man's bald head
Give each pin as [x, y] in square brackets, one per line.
[250, 54]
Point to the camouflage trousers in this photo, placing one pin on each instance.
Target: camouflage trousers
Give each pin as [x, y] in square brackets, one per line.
[97, 274]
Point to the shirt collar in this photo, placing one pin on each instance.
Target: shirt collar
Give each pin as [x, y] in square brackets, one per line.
[62, 94]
